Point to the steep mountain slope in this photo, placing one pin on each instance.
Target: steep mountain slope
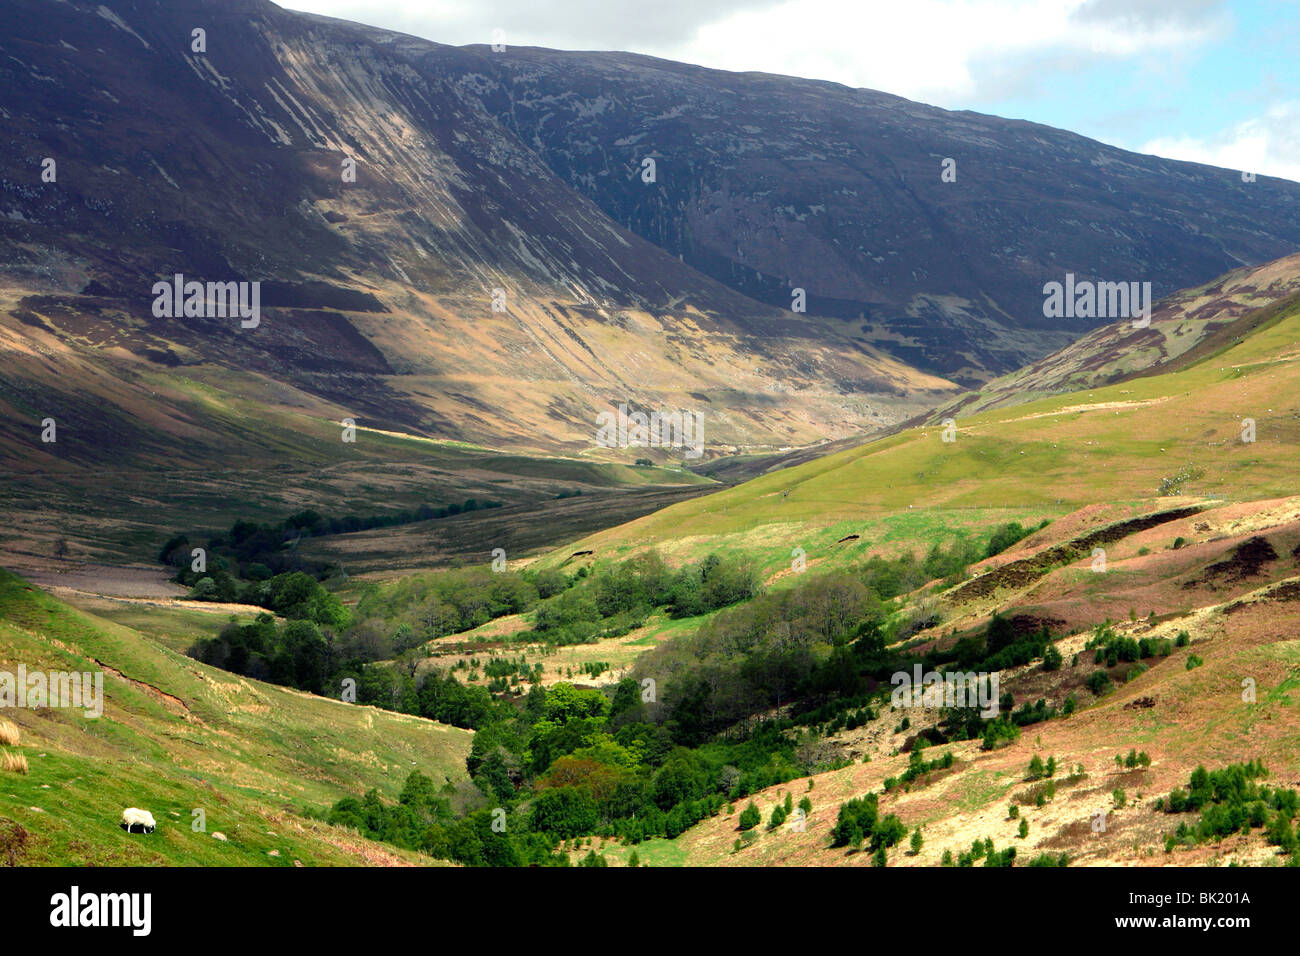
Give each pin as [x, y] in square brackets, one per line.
[456, 288]
[768, 183]
[177, 736]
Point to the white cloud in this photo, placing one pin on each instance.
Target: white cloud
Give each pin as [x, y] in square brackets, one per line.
[1268, 145]
[946, 52]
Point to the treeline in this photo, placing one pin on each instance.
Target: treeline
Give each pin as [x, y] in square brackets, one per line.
[577, 609]
[570, 763]
[311, 523]
[1231, 801]
[251, 552]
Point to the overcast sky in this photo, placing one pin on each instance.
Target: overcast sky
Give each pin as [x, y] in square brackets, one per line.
[1215, 81]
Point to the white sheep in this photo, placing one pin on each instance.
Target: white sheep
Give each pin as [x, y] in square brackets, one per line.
[133, 818]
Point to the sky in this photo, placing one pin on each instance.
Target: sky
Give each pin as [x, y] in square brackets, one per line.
[1212, 81]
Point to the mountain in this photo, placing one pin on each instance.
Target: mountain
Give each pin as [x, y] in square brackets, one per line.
[514, 178]
[767, 183]
[458, 288]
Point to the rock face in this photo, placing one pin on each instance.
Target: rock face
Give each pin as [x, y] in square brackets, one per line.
[499, 271]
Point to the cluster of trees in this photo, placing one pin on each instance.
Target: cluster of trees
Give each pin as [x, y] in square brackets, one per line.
[567, 764]
[821, 645]
[295, 654]
[1231, 801]
[782, 647]
[422, 820]
[1133, 759]
[614, 601]
[890, 577]
[422, 607]
[859, 820]
[431, 694]
[581, 608]
[984, 850]
[632, 775]
[1038, 768]
[249, 543]
[252, 552]
[1004, 536]
[1000, 647]
[419, 807]
[917, 766]
[249, 553]
[1034, 713]
[1110, 648]
[998, 732]
[311, 523]
[296, 594]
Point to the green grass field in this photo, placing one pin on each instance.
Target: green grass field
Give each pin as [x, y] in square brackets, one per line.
[176, 736]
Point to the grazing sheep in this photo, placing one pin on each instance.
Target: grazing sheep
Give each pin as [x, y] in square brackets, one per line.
[141, 819]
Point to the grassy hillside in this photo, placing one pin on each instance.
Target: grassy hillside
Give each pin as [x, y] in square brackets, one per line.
[1184, 324]
[176, 736]
[1043, 458]
[1179, 717]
